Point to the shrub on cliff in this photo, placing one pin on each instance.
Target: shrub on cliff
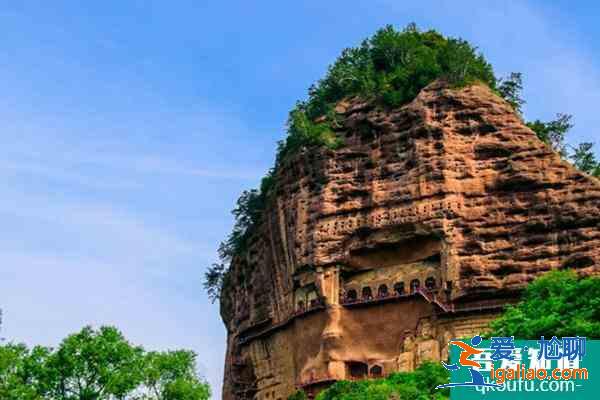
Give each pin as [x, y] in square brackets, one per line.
[391, 67]
[558, 303]
[298, 395]
[417, 385]
[554, 133]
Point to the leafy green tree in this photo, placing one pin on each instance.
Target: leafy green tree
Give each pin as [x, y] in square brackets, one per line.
[510, 89]
[94, 364]
[557, 303]
[214, 278]
[584, 158]
[554, 132]
[21, 378]
[390, 67]
[98, 365]
[172, 376]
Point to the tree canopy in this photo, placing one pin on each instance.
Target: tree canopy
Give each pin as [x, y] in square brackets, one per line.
[98, 364]
[558, 303]
[417, 385]
[390, 67]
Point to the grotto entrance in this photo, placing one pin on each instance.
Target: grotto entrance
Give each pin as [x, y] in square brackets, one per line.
[357, 369]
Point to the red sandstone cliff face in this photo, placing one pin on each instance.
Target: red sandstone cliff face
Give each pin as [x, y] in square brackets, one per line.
[452, 187]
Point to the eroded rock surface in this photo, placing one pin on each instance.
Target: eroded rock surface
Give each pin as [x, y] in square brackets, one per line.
[371, 257]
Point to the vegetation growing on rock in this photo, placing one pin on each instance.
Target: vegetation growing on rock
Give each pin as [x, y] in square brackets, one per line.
[416, 385]
[558, 303]
[389, 69]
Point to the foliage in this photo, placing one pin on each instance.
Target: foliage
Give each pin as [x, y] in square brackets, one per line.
[391, 67]
[20, 377]
[583, 158]
[247, 214]
[558, 303]
[97, 365]
[214, 278]
[94, 364]
[553, 132]
[417, 385]
[510, 89]
[298, 395]
[171, 375]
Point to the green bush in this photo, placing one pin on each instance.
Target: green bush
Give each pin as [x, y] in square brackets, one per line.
[417, 385]
[391, 67]
[98, 364]
[558, 303]
[298, 395]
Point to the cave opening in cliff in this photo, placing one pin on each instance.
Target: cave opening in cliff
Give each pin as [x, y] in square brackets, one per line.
[414, 286]
[430, 283]
[357, 369]
[367, 294]
[352, 295]
[382, 291]
[399, 288]
[376, 371]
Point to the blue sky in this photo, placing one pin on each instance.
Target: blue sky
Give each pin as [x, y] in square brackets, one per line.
[128, 129]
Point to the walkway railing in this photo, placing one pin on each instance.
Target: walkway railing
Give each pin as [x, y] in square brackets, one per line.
[346, 301]
[433, 296]
[315, 304]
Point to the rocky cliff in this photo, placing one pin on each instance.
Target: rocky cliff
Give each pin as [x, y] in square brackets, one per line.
[418, 229]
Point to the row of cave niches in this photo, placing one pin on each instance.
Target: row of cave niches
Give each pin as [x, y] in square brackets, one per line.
[367, 294]
[383, 291]
[358, 370]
